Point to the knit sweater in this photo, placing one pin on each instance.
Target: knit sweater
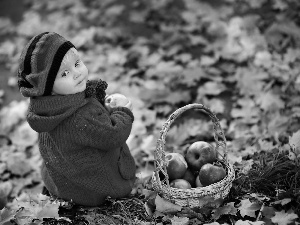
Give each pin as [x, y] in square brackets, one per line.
[84, 151]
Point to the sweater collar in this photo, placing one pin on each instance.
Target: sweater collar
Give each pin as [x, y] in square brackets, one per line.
[46, 112]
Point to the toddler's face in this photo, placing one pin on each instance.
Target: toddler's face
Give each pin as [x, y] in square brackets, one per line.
[72, 75]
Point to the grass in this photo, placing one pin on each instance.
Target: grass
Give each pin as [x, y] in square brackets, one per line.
[272, 174]
[122, 211]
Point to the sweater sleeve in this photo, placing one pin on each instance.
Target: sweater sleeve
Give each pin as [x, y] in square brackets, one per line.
[104, 131]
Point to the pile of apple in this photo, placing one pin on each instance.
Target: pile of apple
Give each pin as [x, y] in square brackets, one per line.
[199, 167]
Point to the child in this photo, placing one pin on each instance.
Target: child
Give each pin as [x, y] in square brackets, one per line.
[83, 146]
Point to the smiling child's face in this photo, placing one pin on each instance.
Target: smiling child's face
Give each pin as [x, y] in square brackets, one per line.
[72, 75]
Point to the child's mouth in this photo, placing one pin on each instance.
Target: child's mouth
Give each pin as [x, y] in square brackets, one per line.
[80, 82]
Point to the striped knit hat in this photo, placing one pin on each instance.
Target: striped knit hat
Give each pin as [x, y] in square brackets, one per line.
[39, 63]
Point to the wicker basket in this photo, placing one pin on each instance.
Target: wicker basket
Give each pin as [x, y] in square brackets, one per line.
[193, 197]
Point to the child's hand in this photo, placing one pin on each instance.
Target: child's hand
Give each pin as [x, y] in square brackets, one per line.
[115, 100]
[129, 105]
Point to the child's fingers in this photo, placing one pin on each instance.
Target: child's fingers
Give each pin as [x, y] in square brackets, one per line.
[129, 105]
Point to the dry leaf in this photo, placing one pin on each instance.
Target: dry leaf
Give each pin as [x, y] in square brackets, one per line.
[17, 164]
[229, 208]
[12, 114]
[179, 220]
[37, 207]
[248, 208]
[294, 141]
[283, 218]
[165, 206]
[5, 216]
[24, 135]
[270, 102]
[282, 201]
[248, 222]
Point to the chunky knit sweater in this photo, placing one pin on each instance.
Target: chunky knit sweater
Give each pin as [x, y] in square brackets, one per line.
[83, 148]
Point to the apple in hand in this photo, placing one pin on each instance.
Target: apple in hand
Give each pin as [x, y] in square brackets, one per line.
[189, 177]
[200, 153]
[115, 100]
[176, 165]
[210, 174]
[180, 183]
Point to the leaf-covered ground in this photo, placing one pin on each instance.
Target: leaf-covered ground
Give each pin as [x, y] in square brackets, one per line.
[239, 58]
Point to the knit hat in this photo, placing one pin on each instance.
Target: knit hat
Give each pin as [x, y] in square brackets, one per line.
[39, 63]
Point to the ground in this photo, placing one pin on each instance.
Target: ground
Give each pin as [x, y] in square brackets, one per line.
[238, 58]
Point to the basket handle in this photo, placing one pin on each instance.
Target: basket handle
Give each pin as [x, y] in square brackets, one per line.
[219, 136]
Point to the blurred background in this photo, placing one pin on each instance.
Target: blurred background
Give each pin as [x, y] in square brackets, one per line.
[12, 11]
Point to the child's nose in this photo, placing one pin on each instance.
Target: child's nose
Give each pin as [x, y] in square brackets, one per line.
[76, 74]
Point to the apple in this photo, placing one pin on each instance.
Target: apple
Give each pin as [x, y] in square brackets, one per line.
[210, 174]
[115, 100]
[200, 153]
[176, 165]
[180, 183]
[198, 183]
[189, 177]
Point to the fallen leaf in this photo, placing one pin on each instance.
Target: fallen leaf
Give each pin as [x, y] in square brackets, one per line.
[279, 31]
[179, 220]
[2, 167]
[24, 135]
[257, 3]
[294, 141]
[191, 76]
[283, 218]
[278, 124]
[19, 184]
[234, 157]
[5, 216]
[210, 202]
[216, 105]
[248, 222]
[247, 110]
[268, 212]
[7, 48]
[210, 88]
[190, 128]
[17, 164]
[165, 206]
[164, 67]
[266, 145]
[269, 101]
[83, 37]
[37, 207]
[5, 188]
[263, 59]
[280, 4]
[282, 201]
[229, 208]
[247, 166]
[248, 208]
[250, 81]
[12, 114]
[48, 210]
[291, 55]
[260, 197]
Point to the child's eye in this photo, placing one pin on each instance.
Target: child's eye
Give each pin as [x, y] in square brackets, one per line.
[65, 73]
[77, 63]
